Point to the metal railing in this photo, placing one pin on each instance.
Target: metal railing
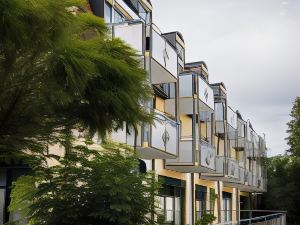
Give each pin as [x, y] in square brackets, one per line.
[264, 217]
[259, 217]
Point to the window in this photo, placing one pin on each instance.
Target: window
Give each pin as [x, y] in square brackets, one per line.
[226, 207]
[171, 200]
[107, 13]
[118, 17]
[200, 196]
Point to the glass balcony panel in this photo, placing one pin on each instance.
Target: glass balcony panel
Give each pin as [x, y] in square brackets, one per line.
[132, 34]
[208, 155]
[231, 118]
[241, 128]
[186, 85]
[172, 135]
[185, 154]
[120, 135]
[158, 133]
[219, 118]
[206, 95]
[242, 175]
[250, 178]
[164, 60]
[170, 106]
[233, 168]
[255, 181]
[220, 164]
[161, 140]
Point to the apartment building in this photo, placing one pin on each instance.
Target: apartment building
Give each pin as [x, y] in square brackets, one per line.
[209, 158]
[198, 145]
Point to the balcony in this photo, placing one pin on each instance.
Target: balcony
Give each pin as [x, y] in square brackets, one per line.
[240, 144]
[193, 87]
[132, 33]
[193, 161]
[233, 168]
[163, 58]
[242, 175]
[249, 178]
[153, 141]
[231, 121]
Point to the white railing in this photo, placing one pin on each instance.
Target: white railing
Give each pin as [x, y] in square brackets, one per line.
[164, 134]
[242, 175]
[208, 155]
[131, 33]
[163, 53]
[220, 160]
[233, 168]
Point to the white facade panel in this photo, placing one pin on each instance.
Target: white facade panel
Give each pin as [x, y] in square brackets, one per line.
[163, 53]
[132, 34]
[206, 93]
[185, 86]
[231, 118]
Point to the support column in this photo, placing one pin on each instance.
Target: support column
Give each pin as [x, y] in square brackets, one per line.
[188, 200]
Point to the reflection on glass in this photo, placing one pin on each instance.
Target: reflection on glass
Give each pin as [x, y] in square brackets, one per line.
[118, 17]
[107, 13]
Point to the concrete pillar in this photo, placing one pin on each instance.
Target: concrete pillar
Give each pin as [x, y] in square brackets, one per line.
[188, 200]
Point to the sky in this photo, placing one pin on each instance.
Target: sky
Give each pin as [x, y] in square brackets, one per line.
[253, 46]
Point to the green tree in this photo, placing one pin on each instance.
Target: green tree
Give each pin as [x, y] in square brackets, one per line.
[283, 187]
[60, 70]
[89, 187]
[294, 130]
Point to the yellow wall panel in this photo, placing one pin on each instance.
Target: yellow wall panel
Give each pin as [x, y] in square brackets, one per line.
[186, 126]
[159, 104]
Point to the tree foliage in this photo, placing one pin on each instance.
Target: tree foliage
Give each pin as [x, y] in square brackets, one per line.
[283, 187]
[283, 191]
[61, 70]
[294, 130]
[88, 187]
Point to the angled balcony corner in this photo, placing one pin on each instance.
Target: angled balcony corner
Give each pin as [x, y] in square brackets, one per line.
[196, 151]
[163, 58]
[158, 140]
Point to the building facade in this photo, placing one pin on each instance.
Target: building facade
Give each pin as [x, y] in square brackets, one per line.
[198, 145]
[209, 158]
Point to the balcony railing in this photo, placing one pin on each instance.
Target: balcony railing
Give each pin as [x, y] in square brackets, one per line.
[192, 160]
[164, 60]
[208, 155]
[242, 175]
[220, 161]
[204, 93]
[153, 141]
[254, 217]
[233, 168]
[249, 178]
[160, 139]
[133, 33]
[231, 121]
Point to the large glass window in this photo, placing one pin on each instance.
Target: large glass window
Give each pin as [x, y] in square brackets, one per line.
[107, 13]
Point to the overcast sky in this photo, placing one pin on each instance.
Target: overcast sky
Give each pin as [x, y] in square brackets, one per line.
[253, 46]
